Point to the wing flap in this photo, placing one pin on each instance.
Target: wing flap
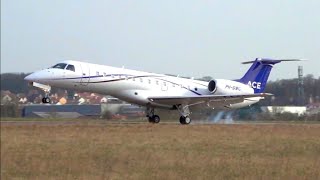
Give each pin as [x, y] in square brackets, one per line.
[219, 99]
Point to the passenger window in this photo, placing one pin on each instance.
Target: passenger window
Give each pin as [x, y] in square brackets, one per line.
[149, 81]
[70, 68]
[141, 80]
[164, 84]
[59, 66]
[157, 82]
[105, 74]
[97, 73]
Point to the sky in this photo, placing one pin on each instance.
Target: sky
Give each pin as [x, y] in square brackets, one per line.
[187, 38]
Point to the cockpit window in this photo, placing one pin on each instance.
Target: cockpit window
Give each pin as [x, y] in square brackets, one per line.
[60, 66]
[70, 67]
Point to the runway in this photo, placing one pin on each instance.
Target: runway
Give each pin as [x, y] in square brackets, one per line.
[70, 122]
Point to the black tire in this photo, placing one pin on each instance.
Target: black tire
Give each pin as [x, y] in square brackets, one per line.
[47, 100]
[150, 120]
[182, 120]
[156, 119]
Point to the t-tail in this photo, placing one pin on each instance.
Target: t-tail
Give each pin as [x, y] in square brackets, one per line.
[258, 74]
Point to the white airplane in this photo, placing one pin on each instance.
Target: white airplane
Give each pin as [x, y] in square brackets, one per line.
[158, 90]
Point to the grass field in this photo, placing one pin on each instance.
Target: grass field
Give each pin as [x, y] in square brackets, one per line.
[94, 150]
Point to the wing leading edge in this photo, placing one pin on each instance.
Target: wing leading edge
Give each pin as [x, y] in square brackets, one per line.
[223, 99]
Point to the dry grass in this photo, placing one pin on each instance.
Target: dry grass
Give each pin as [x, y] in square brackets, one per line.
[146, 151]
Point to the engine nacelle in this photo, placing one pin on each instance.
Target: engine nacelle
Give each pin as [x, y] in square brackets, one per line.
[212, 86]
[228, 87]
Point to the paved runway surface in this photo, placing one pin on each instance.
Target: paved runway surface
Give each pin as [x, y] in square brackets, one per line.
[132, 122]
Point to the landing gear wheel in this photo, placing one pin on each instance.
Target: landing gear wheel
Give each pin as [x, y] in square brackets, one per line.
[182, 120]
[46, 100]
[185, 120]
[154, 119]
[150, 120]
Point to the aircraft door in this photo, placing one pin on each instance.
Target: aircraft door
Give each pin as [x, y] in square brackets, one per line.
[85, 74]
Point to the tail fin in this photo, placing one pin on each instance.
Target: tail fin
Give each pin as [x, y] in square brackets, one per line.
[258, 74]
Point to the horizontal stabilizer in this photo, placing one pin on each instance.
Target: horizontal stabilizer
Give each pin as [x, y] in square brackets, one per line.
[271, 61]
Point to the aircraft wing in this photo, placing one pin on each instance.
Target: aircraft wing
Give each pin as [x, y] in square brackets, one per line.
[217, 99]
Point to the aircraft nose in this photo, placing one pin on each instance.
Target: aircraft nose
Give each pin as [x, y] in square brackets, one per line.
[39, 76]
[30, 77]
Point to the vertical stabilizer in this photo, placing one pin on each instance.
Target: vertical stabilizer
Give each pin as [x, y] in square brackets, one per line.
[258, 74]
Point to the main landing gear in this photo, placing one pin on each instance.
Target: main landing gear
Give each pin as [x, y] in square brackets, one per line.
[185, 120]
[154, 119]
[151, 116]
[183, 110]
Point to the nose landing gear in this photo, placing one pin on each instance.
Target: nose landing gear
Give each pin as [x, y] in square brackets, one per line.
[46, 89]
[46, 100]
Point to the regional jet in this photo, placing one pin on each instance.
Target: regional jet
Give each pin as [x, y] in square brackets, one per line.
[157, 90]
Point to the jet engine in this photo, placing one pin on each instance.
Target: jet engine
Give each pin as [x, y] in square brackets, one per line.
[224, 86]
[212, 86]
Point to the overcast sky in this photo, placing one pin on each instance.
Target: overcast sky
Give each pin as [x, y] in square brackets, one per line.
[189, 38]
